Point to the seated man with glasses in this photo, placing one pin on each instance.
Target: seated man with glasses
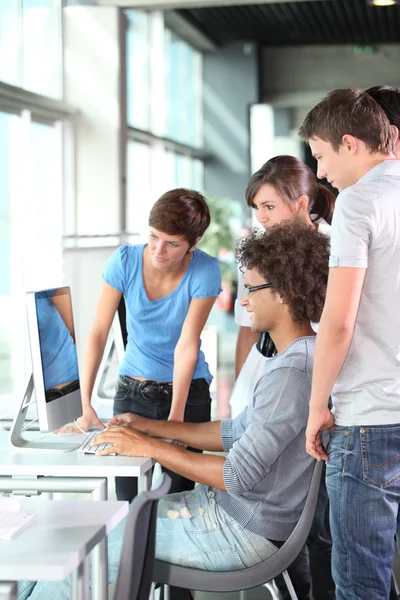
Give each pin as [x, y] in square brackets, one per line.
[249, 501]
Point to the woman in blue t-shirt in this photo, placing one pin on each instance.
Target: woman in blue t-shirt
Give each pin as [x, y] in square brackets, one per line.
[169, 287]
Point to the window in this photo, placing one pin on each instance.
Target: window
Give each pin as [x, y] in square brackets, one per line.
[30, 235]
[31, 45]
[139, 192]
[183, 83]
[41, 47]
[138, 44]
[9, 41]
[164, 115]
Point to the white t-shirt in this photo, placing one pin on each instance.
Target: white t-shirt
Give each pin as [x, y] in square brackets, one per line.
[242, 317]
[366, 234]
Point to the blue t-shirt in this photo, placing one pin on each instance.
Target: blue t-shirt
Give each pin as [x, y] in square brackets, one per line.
[154, 326]
[57, 346]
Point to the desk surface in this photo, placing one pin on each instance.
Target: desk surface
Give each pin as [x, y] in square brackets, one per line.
[67, 464]
[64, 532]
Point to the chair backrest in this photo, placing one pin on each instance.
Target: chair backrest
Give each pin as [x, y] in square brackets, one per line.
[138, 548]
[224, 581]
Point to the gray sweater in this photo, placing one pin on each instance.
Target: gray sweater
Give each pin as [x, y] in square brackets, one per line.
[267, 471]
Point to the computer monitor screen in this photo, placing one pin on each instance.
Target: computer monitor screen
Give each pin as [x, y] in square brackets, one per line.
[54, 357]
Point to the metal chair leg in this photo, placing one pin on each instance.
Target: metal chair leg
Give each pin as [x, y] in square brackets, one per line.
[289, 585]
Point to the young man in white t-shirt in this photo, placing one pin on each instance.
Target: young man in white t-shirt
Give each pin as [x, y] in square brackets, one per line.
[357, 357]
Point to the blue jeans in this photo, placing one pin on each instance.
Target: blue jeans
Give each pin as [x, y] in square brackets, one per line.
[192, 530]
[363, 482]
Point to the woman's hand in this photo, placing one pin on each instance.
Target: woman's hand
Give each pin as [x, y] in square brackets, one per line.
[88, 420]
[134, 421]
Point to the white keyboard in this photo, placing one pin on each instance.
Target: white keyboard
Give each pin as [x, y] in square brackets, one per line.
[13, 522]
[86, 448]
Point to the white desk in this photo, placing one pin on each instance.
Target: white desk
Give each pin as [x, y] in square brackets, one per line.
[29, 472]
[58, 542]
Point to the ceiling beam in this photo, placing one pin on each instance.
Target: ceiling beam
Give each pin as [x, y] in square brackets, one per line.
[177, 4]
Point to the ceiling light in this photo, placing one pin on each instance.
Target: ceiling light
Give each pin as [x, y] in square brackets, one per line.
[383, 2]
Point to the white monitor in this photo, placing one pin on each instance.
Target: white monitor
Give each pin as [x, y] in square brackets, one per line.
[55, 376]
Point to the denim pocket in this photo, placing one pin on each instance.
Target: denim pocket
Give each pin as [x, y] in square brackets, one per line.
[200, 395]
[199, 398]
[122, 400]
[380, 452]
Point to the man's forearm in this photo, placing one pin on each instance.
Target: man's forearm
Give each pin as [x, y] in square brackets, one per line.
[245, 340]
[204, 436]
[331, 349]
[201, 468]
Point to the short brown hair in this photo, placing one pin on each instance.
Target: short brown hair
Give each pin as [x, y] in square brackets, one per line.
[181, 212]
[293, 257]
[351, 112]
[291, 179]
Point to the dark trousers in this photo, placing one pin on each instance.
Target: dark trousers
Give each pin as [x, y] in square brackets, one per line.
[312, 568]
[153, 401]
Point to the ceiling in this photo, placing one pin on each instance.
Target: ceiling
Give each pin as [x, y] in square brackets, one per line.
[303, 22]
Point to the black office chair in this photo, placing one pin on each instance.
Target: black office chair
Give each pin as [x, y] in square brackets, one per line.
[138, 548]
[259, 575]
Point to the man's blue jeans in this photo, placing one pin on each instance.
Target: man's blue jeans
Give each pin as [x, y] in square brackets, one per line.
[192, 530]
[363, 482]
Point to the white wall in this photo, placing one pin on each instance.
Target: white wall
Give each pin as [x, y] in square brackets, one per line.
[92, 85]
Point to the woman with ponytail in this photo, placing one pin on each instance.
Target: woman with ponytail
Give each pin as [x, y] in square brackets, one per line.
[285, 188]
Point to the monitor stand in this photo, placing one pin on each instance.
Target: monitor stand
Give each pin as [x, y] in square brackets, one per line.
[19, 442]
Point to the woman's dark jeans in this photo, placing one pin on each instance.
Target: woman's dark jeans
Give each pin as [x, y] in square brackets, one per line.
[153, 401]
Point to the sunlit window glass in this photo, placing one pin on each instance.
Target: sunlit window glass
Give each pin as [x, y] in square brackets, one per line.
[5, 243]
[139, 199]
[9, 41]
[183, 91]
[42, 47]
[138, 69]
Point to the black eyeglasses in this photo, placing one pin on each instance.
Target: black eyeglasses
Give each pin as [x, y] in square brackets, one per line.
[254, 288]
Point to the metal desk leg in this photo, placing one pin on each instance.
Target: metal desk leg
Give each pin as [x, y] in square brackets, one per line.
[100, 556]
[80, 582]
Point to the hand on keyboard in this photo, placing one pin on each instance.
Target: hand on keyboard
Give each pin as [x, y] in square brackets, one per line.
[86, 448]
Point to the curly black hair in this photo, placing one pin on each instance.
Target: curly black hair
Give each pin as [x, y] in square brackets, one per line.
[293, 257]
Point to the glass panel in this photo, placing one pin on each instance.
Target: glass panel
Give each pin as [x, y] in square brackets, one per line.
[30, 237]
[187, 172]
[183, 75]
[43, 263]
[9, 41]
[42, 47]
[139, 196]
[5, 246]
[138, 69]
